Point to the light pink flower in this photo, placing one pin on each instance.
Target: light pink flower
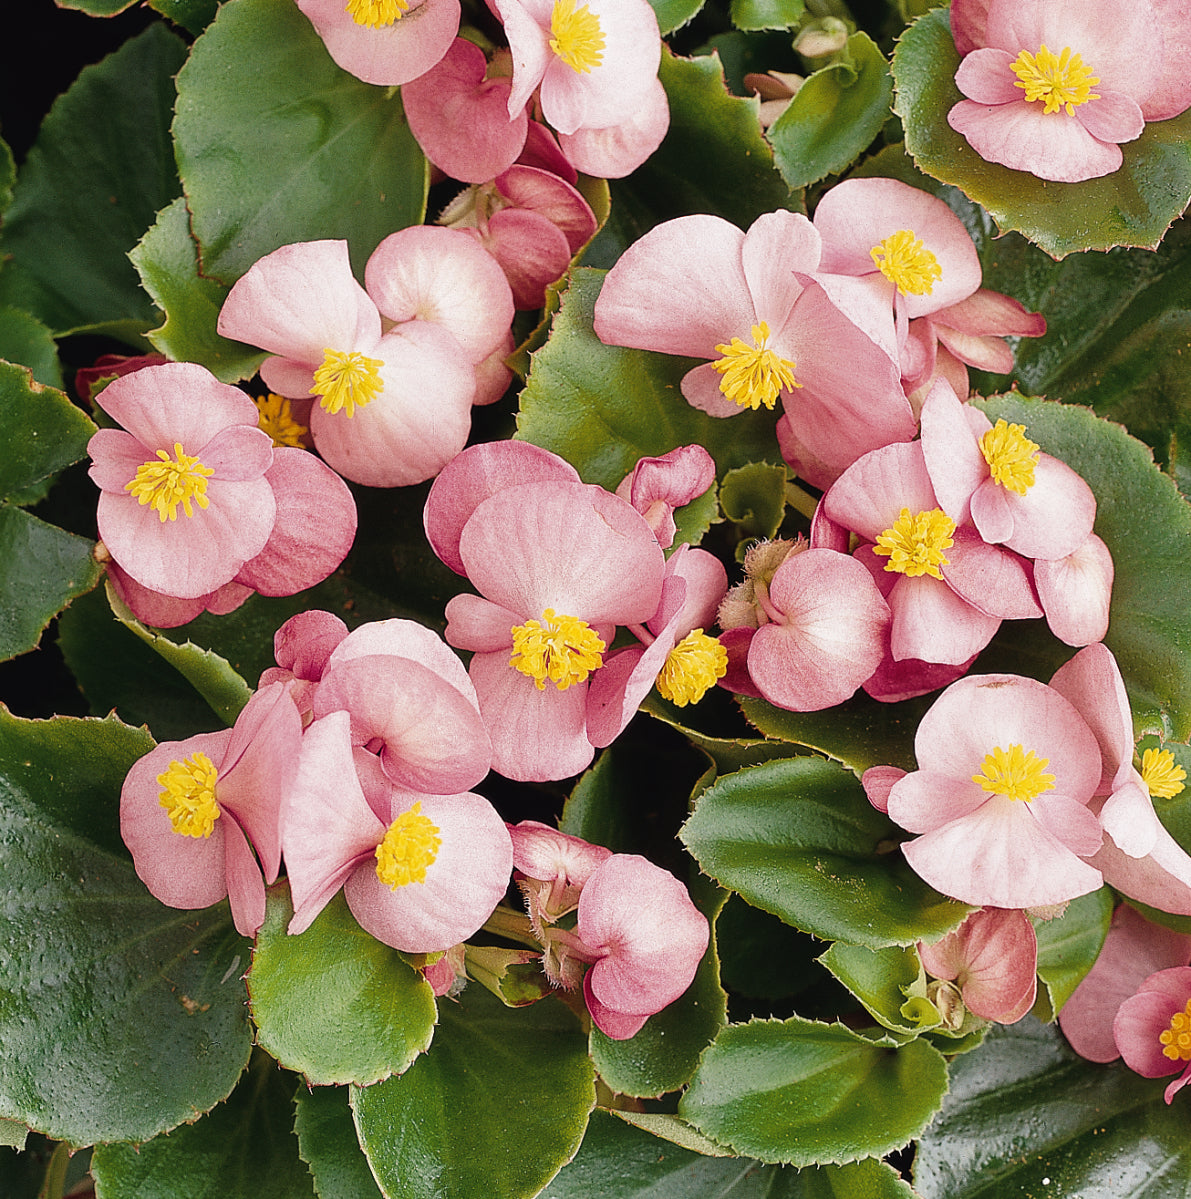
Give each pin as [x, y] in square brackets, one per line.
[657, 486]
[192, 811]
[614, 151]
[552, 869]
[301, 649]
[1076, 592]
[1152, 1028]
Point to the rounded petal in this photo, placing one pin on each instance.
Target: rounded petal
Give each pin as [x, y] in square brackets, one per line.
[1076, 592]
[532, 251]
[933, 623]
[1143, 1017]
[991, 579]
[869, 496]
[985, 76]
[614, 151]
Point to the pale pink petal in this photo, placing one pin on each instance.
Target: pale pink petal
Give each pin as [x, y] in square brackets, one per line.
[477, 624]
[618, 687]
[1091, 682]
[1070, 822]
[659, 485]
[620, 1026]
[1171, 93]
[777, 245]
[1161, 879]
[1114, 117]
[701, 389]
[1129, 818]
[542, 150]
[986, 77]
[1076, 591]
[614, 151]
[925, 800]
[542, 852]
[878, 781]
[990, 578]
[706, 584]
[245, 887]
[492, 375]
[969, 19]
[869, 496]
[525, 27]
[1054, 518]
[951, 449]
[988, 312]
[935, 624]
[152, 607]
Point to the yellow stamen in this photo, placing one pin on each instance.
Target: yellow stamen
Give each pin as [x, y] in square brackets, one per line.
[1059, 81]
[752, 374]
[411, 844]
[1176, 1040]
[692, 668]
[576, 36]
[347, 381]
[188, 795]
[165, 484]
[1015, 772]
[907, 263]
[376, 14]
[277, 420]
[1011, 456]
[914, 545]
[1163, 779]
[562, 649]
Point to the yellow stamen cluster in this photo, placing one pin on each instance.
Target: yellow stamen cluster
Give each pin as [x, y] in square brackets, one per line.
[1163, 779]
[1015, 772]
[1059, 81]
[277, 420]
[692, 668]
[1011, 456]
[576, 36]
[907, 263]
[168, 482]
[915, 545]
[752, 374]
[411, 844]
[188, 795]
[561, 649]
[1176, 1040]
[347, 381]
[376, 14]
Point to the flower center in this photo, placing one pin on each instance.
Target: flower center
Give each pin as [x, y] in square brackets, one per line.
[411, 844]
[752, 374]
[914, 545]
[347, 380]
[168, 482]
[277, 420]
[376, 14]
[1011, 456]
[1059, 81]
[692, 668]
[1015, 772]
[188, 795]
[562, 649]
[1163, 779]
[907, 263]
[1176, 1040]
[577, 37]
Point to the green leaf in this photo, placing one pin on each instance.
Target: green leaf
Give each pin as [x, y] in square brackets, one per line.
[243, 1149]
[806, 1093]
[1027, 1117]
[297, 150]
[1068, 946]
[13, 1133]
[120, 1018]
[766, 14]
[753, 498]
[604, 407]
[24, 339]
[496, 1107]
[328, 1144]
[673, 14]
[834, 115]
[1134, 206]
[166, 259]
[879, 978]
[1146, 525]
[193, 15]
[798, 838]
[101, 168]
[334, 1003]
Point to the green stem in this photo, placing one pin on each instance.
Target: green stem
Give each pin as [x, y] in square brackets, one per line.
[801, 501]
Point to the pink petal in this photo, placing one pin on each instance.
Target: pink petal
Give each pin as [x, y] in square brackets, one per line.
[474, 623]
[1143, 1017]
[525, 29]
[1076, 591]
[925, 800]
[620, 1026]
[531, 250]
[1161, 879]
[933, 623]
[543, 853]
[894, 681]
[1091, 682]
[951, 449]
[659, 485]
[564, 206]
[986, 77]
[305, 642]
[614, 151]
[869, 496]
[1171, 93]
[152, 607]
[988, 312]
[878, 781]
[989, 578]
[245, 887]
[701, 389]
[969, 19]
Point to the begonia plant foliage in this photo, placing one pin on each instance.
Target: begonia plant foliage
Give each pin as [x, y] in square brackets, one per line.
[595, 602]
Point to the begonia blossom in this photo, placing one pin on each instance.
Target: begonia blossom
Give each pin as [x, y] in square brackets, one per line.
[614, 151]
[657, 486]
[551, 869]
[1152, 1028]
[301, 648]
[1054, 87]
[192, 811]
[1076, 592]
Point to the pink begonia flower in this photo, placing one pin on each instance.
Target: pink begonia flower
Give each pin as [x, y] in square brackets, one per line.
[189, 810]
[676, 654]
[301, 648]
[421, 877]
[552, 869]
[993, 959]
[1152, 1028]
[1053, 86]
[385, 42]
[657, 486]
[769, 327]
[999, 480]
[1006, 767]
[646, 937]
[168, 611]
[821, 624]
[592, 64]
[1134, 949]
[614, 151]
[184, 499]
[1076, 591]
[394, 408]
[557, 564]
[108, 366]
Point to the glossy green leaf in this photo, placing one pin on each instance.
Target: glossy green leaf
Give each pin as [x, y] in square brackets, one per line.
[166, 259]
[879, 978]
[604, 407]
[1131, 207]
[297, 150]
[193, 15]
[90, 187]
[328, 1144]
[753, 498]
[834, 115]
[24, 339]
[496, 1107]
[13, 1133]
[244, 1149]
[1069, 945]
[120, 1018]
[766, 14]
[798, 838]
[806, 1093]
[333, 1002]
[673, 14]
[727, 753]
[1025, 1116]
[98, 8]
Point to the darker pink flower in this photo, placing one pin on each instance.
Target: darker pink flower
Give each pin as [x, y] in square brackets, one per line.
[657, 486]
[552, 869]
[1152, 1028]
